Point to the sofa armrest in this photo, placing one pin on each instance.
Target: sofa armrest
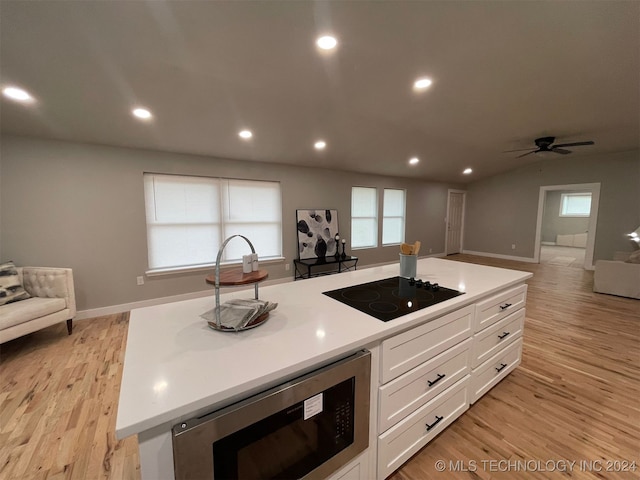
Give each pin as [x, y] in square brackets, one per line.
[49, 282]
[617, 278]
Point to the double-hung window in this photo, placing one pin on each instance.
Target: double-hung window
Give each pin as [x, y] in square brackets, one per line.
[393, 216]
[364, 217]
[188, 219]
[575, 204]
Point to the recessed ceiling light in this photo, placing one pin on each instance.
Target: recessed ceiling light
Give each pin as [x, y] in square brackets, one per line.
[246, 134]
[414, 160]
[327, 42]
[142, 113]
[422, 83]
[467, 171]
[18, 94]
[320, 144]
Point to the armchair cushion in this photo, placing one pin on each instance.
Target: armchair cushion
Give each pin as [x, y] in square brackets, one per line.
[11, 289]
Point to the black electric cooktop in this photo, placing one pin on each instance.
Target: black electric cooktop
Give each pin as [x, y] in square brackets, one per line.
[392, 297]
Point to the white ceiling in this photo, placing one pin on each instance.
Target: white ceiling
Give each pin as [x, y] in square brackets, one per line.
[504, 73]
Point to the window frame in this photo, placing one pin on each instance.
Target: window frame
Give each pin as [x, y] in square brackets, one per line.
[565, 196]
[220, 227]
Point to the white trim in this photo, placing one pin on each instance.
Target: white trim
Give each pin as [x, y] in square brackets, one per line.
[505, 257]
[127, 307]
[446, 220]
[594, 188]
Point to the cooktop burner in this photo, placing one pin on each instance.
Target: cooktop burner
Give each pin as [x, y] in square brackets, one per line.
[392, 297]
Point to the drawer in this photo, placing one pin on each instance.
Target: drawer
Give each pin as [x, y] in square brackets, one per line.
[499, 306]
[487, 375]
[410, 391]
[496, 337]
[400, 442]
[413, 347]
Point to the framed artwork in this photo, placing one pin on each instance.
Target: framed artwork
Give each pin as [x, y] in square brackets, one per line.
[317, 229]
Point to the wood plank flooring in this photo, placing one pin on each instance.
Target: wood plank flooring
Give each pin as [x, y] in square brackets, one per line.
[575, 397]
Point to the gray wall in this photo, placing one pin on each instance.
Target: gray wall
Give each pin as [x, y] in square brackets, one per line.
[502, 210]
[82, 206]
[553, 224]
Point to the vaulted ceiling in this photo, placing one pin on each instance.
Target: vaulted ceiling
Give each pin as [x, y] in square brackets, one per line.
[503, 74]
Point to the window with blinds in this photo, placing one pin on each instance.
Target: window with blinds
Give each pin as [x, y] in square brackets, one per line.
[393, 216]
[364, 217]
[188, 219]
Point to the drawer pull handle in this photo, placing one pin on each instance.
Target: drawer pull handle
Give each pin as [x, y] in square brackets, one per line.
[440, 377]
[438, 419]
[505, 306]
[504, 335]
[501, 367]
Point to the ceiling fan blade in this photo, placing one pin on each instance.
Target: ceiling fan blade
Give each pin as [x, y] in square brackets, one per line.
[562, 151]
[518, 150]
[575, 144]
[525, 154]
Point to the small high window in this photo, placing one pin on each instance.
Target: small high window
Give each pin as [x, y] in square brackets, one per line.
[575, 204]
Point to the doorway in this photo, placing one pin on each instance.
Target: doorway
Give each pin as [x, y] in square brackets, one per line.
[571, 241]
[454, 221]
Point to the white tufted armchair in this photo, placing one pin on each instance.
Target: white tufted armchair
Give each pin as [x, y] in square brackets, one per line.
[52, 301]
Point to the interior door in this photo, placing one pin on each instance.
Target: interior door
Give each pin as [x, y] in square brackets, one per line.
[455, 213]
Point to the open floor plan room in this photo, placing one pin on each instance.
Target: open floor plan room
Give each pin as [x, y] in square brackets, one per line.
[574, 397]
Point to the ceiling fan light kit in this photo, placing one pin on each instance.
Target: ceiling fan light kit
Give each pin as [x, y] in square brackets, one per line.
[545, 145]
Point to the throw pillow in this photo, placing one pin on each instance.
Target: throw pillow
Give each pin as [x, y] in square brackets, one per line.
[634, 257]
[10, 288]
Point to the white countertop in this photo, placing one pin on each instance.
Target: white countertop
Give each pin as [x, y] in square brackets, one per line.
[175, 365]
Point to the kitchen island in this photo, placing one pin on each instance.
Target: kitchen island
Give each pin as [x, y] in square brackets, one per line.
[176, 367]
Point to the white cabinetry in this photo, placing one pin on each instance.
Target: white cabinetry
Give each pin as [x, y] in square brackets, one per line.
[430, 374]
[357, 469]
[497, 339]
[423, 385]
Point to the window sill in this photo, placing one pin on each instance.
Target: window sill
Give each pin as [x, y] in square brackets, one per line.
[158, 272]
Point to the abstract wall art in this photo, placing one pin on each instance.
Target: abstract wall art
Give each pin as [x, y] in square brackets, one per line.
[316, 233]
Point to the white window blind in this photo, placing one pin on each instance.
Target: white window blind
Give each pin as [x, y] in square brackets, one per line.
[393, 216]
[364, 217]
[575, 205]
[188, 218]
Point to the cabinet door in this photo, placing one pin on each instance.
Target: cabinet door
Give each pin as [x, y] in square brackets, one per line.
[400, 442]
[499, 306]
[357, 469]
[410, 391]
[496, 337]
[487, 375]
[413, 347]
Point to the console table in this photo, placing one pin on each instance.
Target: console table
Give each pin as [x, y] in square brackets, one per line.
[344, 264]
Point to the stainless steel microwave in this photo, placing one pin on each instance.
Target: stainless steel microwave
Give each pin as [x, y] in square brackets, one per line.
[306, 428]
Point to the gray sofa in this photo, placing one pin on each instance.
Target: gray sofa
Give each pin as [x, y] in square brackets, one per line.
[52, 301]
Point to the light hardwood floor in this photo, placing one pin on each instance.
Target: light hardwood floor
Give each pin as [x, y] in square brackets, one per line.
[575, 397]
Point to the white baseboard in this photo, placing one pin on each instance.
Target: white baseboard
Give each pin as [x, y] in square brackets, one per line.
[497, 255]
[548, 243]
[127, 307]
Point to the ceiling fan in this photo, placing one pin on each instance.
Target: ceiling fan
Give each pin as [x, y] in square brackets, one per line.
[545, 144]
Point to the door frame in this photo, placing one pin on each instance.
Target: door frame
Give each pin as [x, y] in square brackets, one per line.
[446, 220]
[594, 188]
